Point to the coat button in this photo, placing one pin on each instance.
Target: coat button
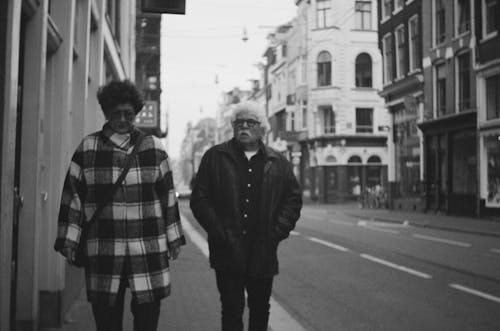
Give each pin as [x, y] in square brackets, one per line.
[250, 170]
[245, 215]
[249, 185]
[244, 231]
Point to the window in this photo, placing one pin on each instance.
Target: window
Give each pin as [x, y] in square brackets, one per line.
[324, 69]
[489, 18]
[323, 13]
[328, 119]
[386, 9]
[462, 16]
[400, 52]
[441, 89]
[398, 5]
[492, 145]
[363, 15]
[414, 47]
[464, 91]
[363, 70]
[364, 120]
[303, 105]
[493, 97]
[388, 60]
[292, 121]
[280, 122]
[439, 21]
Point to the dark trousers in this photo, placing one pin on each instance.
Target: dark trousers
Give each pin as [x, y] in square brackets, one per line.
[232, 295]
[110, 318]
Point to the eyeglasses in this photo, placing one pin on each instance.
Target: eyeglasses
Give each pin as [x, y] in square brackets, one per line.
[117, 114]
[250, 123]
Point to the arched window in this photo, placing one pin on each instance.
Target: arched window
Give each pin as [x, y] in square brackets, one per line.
[363, 70]
[354, 159]
[324, 69]
[374, 159]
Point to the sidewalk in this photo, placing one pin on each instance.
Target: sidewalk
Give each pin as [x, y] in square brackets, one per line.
[470, 225]
[192, 305]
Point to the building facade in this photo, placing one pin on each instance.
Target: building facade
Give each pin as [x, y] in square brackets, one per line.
[344, 148]
[400, 43]
[487, 33]
[54, 56]
[449, 124]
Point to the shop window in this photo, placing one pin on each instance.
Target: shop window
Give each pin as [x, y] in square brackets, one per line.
[464, 90]
[363, 15]
[324, 69]
[493, 97]
[407, 152]
[354, 174]
[463, 149]
[364, 120]
[363, 70]
[492, 144]
[374, 159]
[354, 159]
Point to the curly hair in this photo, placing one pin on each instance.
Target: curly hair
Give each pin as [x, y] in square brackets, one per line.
[118, 92]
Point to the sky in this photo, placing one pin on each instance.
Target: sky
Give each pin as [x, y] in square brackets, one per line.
[205, 46]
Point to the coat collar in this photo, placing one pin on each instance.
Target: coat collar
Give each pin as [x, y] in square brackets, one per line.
[227, 148]
[122, 141]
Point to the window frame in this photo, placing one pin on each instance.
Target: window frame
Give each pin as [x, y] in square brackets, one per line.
[440, 111]
[397, 8]
[413, 64]
[356, 72]
[386, 63]
[330, 128]
[386, 14]
[304, 113]
[484, 11]
[457, 18]
[400, 73]
[438, 39]
[363, 14]
[460, 79]
[324, 13]
[364, 128]
[324, 70]
[497, 95]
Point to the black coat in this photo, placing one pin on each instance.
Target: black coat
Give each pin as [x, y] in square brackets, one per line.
[215, 204]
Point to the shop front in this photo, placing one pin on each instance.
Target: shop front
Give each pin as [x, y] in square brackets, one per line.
[490, 173]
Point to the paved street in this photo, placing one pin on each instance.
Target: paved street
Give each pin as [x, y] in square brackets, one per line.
[344, 268]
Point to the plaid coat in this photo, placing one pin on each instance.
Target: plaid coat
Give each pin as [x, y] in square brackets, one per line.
[136, 229]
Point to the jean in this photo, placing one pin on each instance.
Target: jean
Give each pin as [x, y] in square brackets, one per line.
[110, 318]
[232, 295]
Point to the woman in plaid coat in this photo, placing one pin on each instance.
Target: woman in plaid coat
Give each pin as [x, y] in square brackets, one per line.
[131, 241]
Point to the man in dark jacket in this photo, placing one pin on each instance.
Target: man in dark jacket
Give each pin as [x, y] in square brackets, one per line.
[247, 199]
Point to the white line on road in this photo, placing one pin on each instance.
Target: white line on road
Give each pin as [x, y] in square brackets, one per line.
[295, 233]
[441, 240]
[495, 250]
[396, 266]
[280, 319]
[378, 229]
[328, 244]
[476, 292]
[325, 218]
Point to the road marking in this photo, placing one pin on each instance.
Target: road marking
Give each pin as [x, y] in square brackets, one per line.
[441, 240]
[328, 244]
[396, 266]
[295, 233]
[378, 229]
[341, 222]
[280, 319]
[362, 222]
[476, 292]
[495, 250]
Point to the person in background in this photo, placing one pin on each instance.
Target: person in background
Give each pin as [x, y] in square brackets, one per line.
[130, 243]
[247, 199]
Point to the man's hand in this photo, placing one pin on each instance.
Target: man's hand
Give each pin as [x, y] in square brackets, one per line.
[69, 254]
[174, 252]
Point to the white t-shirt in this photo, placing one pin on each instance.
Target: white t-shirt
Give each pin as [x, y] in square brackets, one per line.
[249, 154]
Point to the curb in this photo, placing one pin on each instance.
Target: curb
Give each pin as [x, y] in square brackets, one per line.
[429, 226]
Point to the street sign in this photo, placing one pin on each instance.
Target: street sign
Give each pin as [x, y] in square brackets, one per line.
[148, 116]
[164, 6]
